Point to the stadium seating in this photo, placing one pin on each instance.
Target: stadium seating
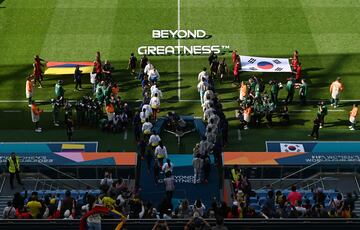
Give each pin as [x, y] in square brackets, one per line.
[78, 194]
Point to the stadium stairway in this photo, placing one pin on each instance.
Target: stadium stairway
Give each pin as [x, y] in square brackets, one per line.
[357, 208]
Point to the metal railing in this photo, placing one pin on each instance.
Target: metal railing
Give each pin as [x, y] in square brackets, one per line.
[290, 175]
[65, 174]
[357, 183]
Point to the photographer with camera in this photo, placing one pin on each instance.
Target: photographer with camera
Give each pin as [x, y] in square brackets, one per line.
[56, 105]
[197, 222]
[322, 112]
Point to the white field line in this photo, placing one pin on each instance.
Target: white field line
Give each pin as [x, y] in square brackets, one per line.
[12, 111]
[178, 27]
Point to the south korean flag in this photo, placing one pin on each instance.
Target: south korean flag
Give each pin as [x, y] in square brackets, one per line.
[263, 64]
[292, 148]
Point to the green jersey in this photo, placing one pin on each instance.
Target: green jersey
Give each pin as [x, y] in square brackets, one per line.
[59, 90]
[290, 85]
[303, 89]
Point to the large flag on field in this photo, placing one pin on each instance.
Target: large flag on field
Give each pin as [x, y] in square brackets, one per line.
[263, 64]
[56, 68]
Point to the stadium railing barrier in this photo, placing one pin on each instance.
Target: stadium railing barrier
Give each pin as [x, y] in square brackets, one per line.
[177, 224]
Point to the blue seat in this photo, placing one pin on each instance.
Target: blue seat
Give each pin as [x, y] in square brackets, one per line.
[332, 195]
[74, 193]
[60, 192]
[253, 200]
[262, 201]
[262, 193]
[94, 192]
[308, 195]
[256, 207]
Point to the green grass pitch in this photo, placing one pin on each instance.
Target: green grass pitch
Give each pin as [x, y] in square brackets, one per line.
[326, 33]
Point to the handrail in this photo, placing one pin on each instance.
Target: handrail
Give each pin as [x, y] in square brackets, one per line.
[292, 174]
[2, 184]
[357, 183]
[321, 180]
[65, 174]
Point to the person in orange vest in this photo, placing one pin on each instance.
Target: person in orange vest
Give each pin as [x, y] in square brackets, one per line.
[29, 88]
[35, 116]
[352, 118]
[336, 88]
[115, 90]
[110, 111]
[243, 91]
[247, 116]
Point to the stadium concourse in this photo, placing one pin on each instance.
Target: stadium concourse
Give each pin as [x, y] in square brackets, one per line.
[179, 114]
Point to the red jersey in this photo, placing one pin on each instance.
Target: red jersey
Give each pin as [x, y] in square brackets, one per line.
[298, 72]
[294, 196]
[236, 68]
[294, 62]
[98, 68]
[37, 69]
[233, 56]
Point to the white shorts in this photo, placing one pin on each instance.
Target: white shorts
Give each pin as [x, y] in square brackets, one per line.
[29, 95]
[352, 119]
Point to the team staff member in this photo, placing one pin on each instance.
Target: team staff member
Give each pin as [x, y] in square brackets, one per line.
[352, 118]
[13, 166]
[322, 112]
[223, 68]
[132, 63]
[77, 78]
[29, 89]
[303, 91]
[315, 130]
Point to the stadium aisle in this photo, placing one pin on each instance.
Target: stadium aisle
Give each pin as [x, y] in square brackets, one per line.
[184, 187]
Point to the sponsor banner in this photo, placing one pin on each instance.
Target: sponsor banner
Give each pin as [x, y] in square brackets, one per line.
[263, 64]
[74, 158]
[291, 158]
[48, 147]
[313, 146]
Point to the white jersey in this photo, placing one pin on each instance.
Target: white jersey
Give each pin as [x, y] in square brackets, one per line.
[92, 78]
[155, 90]
[148, 67]
[208, 94]
[161, 152]
[155, 103]
[148, 109]
[146, 127]
[203, 74]
[202, 86]
[154, 140]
